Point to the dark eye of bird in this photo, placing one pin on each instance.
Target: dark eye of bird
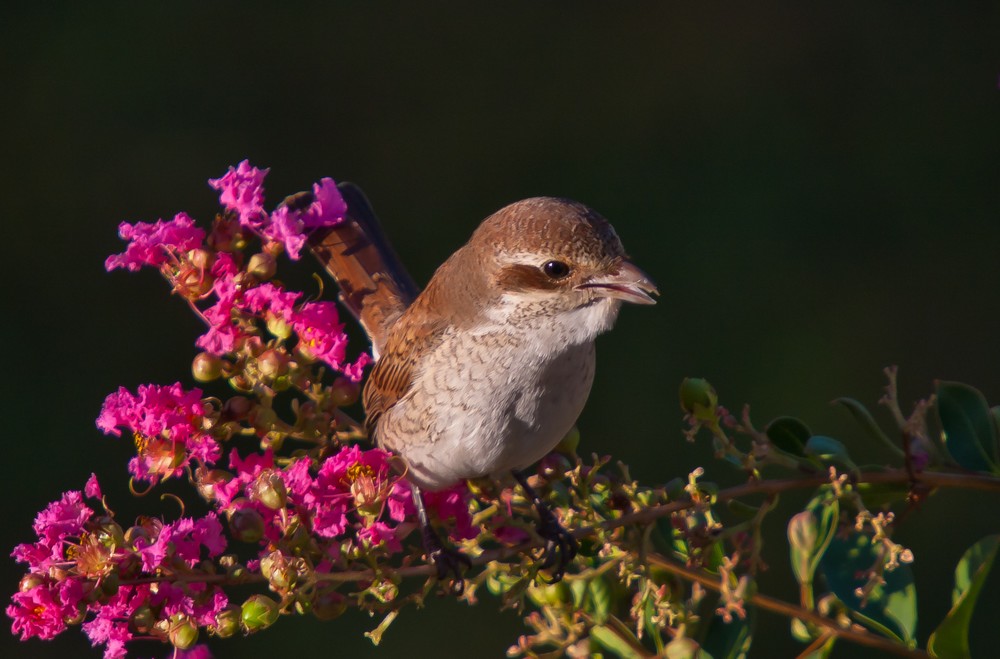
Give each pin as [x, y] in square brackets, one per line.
[555, 269]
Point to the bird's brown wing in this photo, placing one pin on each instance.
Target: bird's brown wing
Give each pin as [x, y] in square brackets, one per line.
[374, 285]
[395, 371]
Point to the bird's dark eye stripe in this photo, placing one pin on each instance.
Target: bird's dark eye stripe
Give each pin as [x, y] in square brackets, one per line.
[555, 269]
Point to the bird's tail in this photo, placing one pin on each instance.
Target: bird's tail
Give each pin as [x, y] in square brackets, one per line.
[374, 285]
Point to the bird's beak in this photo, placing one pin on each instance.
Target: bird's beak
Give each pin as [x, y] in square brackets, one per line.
[627, 283]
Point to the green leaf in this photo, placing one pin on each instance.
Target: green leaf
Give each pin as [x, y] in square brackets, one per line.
[951, 638]
[810, 533]
[600, 598]
[612, 642]
[867, 422]
[730, 640]
[970, 434]
[788, 434]
[685, 648]
[829, 449]
[891, 609]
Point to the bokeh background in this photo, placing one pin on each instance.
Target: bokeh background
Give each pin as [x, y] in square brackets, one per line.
[814, 188]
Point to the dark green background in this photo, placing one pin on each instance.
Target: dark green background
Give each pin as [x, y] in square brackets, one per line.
[814, 189]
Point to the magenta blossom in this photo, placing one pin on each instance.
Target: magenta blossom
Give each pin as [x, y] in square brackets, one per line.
[166, 422]
[242, 190]
[154, 244]
[321, 335]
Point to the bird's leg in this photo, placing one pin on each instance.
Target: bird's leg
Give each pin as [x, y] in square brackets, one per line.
[447, 560]
[560, 545]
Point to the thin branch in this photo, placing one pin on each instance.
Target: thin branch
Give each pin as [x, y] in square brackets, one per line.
[790, 610]
[929, 479]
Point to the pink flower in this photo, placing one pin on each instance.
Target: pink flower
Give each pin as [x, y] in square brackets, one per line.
[154, 244]
[63, 518]
[197, 652]
[36, 612]
[321, 335]
[242, 190]
[166, 423]
[286, 227]
[328, 208]
[378, 533]
[92, 489]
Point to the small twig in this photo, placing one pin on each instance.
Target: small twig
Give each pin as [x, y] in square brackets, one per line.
[790, 610]
[928, 479]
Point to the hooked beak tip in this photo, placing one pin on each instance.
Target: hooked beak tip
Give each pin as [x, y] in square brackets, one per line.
[629, 284]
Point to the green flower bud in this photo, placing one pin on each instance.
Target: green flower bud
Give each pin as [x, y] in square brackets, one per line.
[258, 612]
[246, 525]
[273, 363]
[697, 396]
[328, 604]
[206, 367]
[30, 581]
[262, 266]
[278, 327]
[183, 633]
[269, 489]
[227, 622]
[143, 619]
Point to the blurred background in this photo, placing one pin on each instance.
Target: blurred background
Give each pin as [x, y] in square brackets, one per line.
[814, 189]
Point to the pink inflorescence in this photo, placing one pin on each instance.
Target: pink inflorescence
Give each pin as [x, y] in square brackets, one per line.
[83, 568]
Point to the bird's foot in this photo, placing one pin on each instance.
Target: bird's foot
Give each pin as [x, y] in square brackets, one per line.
[449, 563]
[560, 545]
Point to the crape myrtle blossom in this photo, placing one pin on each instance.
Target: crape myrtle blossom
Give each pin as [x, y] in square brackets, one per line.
[74, 543]
[155, 244]
[198, 269]
[242, 191]
[292, 499]
[167, 423]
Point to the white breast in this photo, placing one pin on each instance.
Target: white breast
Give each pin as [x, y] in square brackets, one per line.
[499, 397]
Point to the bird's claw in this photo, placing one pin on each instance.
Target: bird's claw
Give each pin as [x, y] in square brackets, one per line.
[560, 545]
[449, 563]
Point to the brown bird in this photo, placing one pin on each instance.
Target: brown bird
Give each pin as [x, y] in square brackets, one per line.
[485, 370]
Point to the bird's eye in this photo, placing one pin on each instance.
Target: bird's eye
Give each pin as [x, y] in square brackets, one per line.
[555, 269]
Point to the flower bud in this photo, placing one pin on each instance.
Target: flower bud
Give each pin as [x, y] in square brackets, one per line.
[142, 619]
[278, 327]
[206, 367]
[262, 266]
[328, 604]
[343, 392]
[273, 363]
[697, 395]
[183, 633]
[246, 525]
[279, 571]
[236, 408]
[259, 612]
[30, 581]
[227, 622]
[269, 489]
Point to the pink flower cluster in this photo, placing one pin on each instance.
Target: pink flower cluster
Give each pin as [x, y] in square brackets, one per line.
[197, 271]
[155, 244]
[77, 571]
[317, 324]
[167, 424]
[354, 490]
[242, 191]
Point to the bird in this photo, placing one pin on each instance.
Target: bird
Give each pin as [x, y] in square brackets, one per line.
[483, 371]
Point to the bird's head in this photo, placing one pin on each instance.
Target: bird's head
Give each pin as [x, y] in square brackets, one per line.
[547, 256]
